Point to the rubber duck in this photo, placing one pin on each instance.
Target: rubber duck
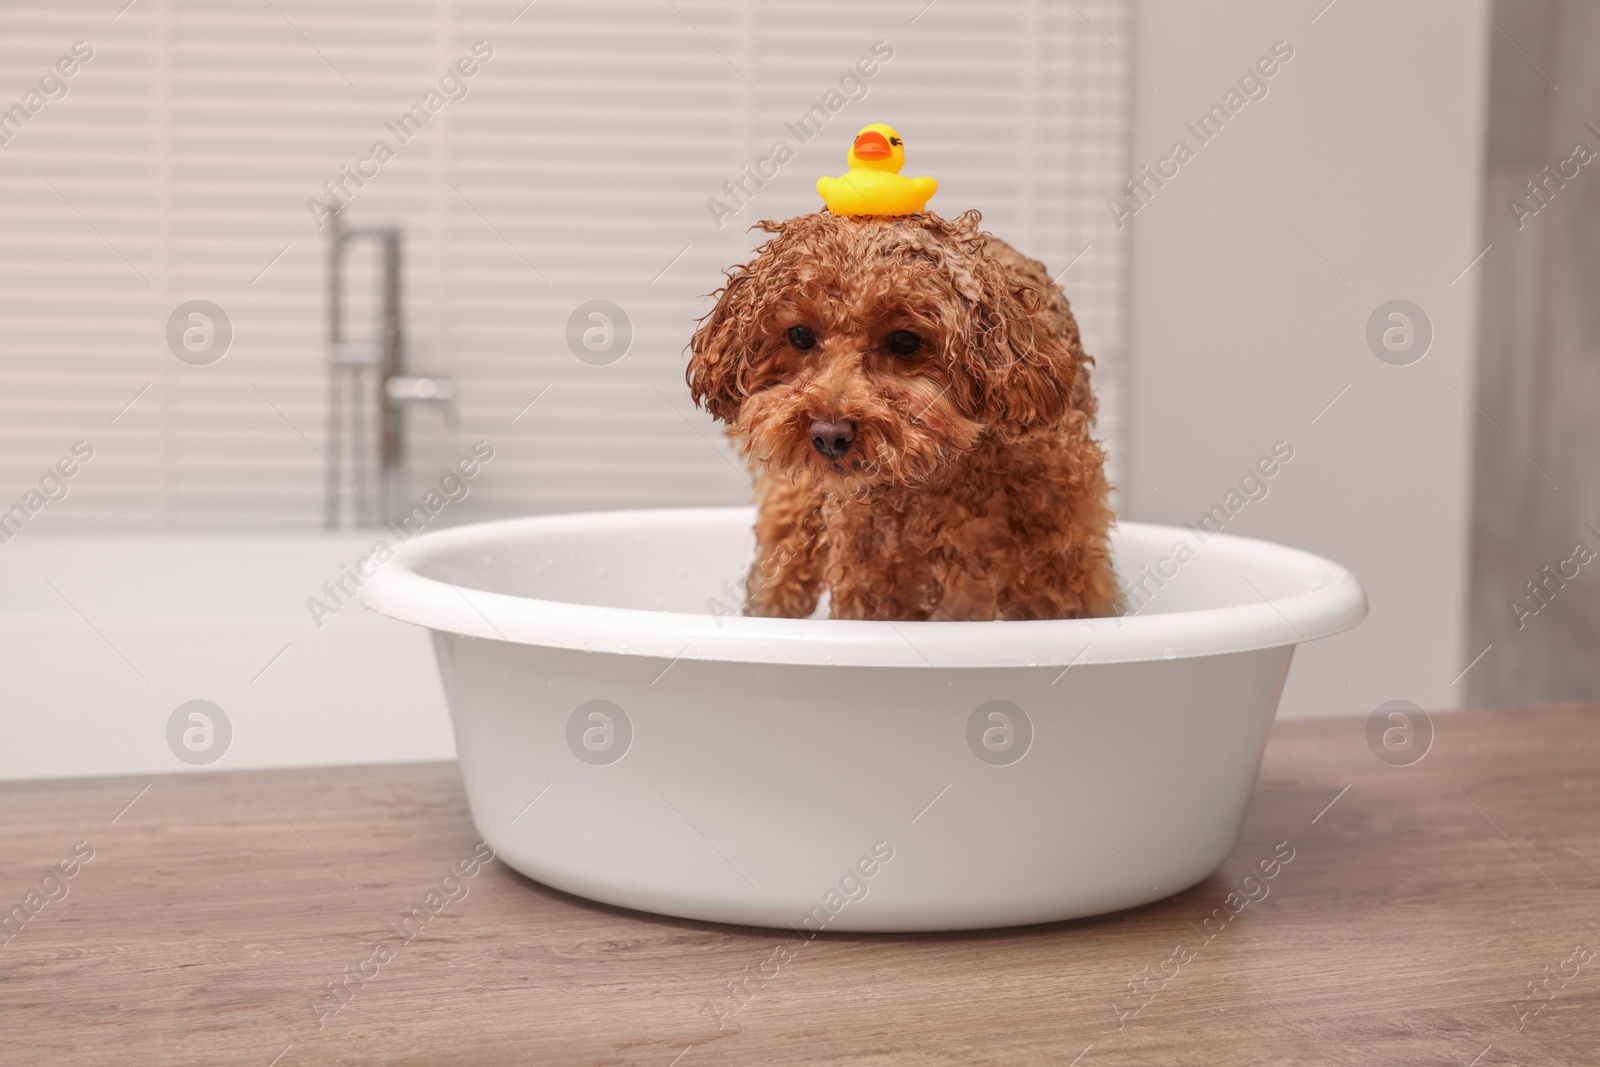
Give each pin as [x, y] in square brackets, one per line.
[873, 185]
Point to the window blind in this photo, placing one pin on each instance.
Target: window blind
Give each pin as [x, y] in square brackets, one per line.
[600, 151]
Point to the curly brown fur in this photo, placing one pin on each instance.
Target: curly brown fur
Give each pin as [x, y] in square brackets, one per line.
[973, 488]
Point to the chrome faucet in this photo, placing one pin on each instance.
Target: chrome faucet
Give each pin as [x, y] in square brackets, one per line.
[370, 379]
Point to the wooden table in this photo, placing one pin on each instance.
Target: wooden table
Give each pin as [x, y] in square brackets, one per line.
[1431, 914]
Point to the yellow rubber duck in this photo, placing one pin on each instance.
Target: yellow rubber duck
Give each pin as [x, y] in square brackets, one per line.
[873, 185]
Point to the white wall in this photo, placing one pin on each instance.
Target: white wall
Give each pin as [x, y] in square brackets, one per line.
[1354, 181]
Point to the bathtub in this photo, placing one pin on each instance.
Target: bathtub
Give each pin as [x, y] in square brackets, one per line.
[625, 735]
[103, 638]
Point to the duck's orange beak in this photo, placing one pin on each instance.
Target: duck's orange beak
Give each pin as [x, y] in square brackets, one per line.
[871, 145]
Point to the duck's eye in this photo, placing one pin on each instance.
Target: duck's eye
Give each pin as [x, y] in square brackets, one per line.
[802, 338]
[904, 343]
[894, 140]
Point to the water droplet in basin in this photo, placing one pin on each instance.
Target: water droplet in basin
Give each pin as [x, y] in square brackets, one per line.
[1170, 653]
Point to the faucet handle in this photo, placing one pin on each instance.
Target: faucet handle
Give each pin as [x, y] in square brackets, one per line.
[408, 387]
[422, 389]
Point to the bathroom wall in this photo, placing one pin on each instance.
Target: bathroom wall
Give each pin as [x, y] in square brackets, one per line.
[1536, 483]
[584, 158]
[1348, 178]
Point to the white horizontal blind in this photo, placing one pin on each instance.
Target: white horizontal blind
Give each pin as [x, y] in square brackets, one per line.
[578, 166]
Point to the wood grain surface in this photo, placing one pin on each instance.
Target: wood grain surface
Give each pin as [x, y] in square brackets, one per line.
[1446, 912]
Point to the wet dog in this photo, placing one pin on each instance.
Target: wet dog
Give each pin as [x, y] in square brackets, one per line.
[915, 400]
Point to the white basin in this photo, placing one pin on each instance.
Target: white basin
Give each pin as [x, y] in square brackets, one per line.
[626, 736]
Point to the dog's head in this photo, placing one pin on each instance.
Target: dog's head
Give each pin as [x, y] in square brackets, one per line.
[874, 351]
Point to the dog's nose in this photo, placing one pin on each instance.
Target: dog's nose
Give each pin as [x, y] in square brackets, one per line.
[832, 437]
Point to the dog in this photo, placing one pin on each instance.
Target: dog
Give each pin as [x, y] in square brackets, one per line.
[914, 398]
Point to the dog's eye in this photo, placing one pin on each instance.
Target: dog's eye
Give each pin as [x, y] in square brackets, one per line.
[802, 338]
[904, 343]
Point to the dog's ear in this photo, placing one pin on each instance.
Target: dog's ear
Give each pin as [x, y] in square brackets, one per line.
[730, 334]
[1022, 355]
[719, 346]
